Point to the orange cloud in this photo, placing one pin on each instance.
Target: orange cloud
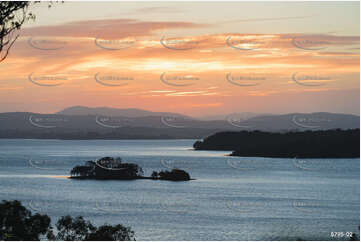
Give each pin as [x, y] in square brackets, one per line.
[128, 61]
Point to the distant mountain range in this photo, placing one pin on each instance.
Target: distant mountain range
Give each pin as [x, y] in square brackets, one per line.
[136, 113]
[240, 116]
[111, 123]
[114, 112]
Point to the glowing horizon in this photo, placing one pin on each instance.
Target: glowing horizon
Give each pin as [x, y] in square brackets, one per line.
[169, 57]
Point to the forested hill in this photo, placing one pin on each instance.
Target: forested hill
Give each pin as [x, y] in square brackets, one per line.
[308, 144]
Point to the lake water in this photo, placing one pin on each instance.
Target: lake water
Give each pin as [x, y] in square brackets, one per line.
[231, 198]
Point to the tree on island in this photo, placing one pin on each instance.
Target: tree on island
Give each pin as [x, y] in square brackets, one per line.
[108, 167]
[173, 175]
[154, 175]
[18, 223]
[113, 168]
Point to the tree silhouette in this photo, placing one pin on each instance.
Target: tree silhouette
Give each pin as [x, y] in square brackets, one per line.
[18, 223]
[174, 175]
[154, 174]
[112, 233]
[13, 14]
[108, 167]
[70, 229]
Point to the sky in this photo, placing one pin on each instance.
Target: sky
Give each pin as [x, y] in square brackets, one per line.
[195, 58]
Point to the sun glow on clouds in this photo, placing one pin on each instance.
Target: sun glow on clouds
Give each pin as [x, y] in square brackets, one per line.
[210, 60]
[186, 93]
[85, 66]
[160, 91]
[179, 65]
[207, 105]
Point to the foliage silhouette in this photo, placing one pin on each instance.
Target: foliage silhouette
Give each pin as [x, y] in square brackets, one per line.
[112, 233]
[18, 223]
[107, 168]
[173, 175]
[154, 174]
[13, 14]
[110, 168]
[70, 229]
[10, 21]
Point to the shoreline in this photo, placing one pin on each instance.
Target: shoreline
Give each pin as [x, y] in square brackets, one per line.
[59, 139]
[122, 179]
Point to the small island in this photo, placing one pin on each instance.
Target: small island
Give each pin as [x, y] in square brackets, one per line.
[109, 168]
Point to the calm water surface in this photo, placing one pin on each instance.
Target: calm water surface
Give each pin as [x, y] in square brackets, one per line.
[232, 198]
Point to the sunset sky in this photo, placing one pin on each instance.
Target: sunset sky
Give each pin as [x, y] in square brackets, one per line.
[204, 58]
